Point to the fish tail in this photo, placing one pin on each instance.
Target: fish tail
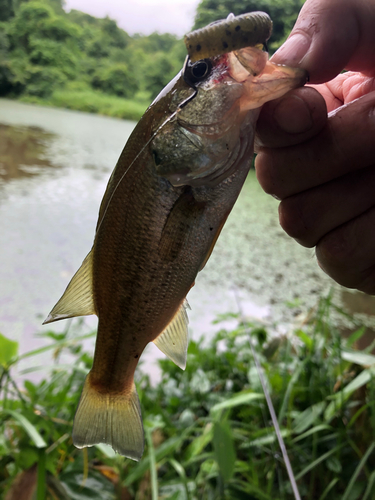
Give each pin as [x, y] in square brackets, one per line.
[111, 418]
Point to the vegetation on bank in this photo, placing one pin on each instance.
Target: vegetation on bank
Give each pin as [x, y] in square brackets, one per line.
[208, 430]
[77, 61]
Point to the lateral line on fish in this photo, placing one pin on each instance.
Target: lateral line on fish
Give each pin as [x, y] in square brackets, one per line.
[271, 408]
[180, 106]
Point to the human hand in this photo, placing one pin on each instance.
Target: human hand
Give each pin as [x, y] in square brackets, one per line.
[323, 168]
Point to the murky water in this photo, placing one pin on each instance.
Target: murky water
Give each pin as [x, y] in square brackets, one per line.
[54, 166]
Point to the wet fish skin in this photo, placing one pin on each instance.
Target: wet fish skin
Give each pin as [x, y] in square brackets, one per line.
[166, 202]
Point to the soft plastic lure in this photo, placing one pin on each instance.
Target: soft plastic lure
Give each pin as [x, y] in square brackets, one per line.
[230, 34]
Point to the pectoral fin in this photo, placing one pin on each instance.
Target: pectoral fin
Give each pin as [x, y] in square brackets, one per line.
[77, 299]
[173, 341]
[180, 225]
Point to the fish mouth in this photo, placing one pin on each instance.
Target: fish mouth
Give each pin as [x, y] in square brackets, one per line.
[262, 79]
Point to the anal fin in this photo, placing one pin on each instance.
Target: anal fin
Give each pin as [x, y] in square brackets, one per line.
[173, 341]
[77, 300]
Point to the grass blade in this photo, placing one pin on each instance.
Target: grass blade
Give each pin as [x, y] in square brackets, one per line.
[342, 396]
[225, 455]
[358, 470]
[56, 345]
[358, 358]
[238, 399]
[313, 430]
[41, 478]
[181, 472]
[369, 488]
[318, 461]
[28, 427]
[328, 489]
[288, 392]
[153, 472]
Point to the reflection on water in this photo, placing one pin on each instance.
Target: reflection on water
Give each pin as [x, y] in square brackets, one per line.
[23, 151]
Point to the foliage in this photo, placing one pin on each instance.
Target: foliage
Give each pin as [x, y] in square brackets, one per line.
[282, 12]
[115, 79]
[43, 50]
[208, 430]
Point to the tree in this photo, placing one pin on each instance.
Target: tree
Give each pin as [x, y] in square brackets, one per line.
[6, 10]
[158, 73]
[115, 79]
[118, 37]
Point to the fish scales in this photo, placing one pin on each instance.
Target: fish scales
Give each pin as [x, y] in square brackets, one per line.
[151, 291]
[166, 202]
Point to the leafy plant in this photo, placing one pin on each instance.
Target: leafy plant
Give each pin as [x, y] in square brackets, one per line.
[208, 430]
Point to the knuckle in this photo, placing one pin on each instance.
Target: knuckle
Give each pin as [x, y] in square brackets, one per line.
[267, 174]
[294, 220]
[338, 256]
[335, 250]
[367, 284]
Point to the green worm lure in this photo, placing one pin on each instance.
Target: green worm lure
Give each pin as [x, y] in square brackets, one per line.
[233, 33]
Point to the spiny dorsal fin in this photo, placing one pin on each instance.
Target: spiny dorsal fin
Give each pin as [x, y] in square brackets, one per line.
[173, 341]
[77, 300]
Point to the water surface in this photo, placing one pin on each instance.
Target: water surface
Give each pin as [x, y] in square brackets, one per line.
[54, 166]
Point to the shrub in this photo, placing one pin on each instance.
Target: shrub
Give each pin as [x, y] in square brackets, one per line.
[208, 430]
[42, 80]
[115, 79]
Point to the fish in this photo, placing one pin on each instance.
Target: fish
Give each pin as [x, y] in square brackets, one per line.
[165, 205]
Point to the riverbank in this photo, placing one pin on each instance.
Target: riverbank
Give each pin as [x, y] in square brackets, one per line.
[91, 101]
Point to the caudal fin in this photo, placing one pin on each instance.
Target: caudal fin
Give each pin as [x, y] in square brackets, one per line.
[114, 419]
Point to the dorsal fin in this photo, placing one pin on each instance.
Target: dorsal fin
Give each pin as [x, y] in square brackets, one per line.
[173, 341]
[77, 300]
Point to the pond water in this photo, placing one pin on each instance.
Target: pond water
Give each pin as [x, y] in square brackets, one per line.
[54, 167]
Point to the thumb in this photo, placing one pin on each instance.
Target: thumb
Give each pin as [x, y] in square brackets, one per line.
[331, 36]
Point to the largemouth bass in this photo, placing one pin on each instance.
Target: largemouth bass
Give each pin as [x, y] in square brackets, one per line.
[166, 202]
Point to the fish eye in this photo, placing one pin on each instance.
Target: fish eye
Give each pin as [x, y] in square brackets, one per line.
[196, 72]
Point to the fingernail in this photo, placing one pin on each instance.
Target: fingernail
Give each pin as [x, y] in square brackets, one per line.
[293, 50]
[293, 115]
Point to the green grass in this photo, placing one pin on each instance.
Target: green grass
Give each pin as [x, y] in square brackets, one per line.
[92, 101]
[208, 430]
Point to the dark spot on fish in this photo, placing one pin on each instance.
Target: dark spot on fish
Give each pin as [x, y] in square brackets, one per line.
[190, 46]
[246, 39]
[238, 27]
[134, 338]
[228, 32]
[211, 228]
[198, 47]
[136, 356]
[225, 45]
